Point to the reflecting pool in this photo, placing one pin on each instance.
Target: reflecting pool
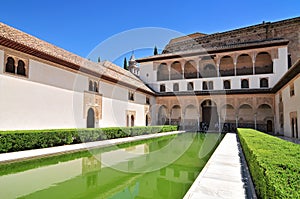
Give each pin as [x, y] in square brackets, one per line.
[164, 167]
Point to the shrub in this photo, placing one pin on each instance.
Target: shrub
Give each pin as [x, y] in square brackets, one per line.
[33, 139]
[274, 164]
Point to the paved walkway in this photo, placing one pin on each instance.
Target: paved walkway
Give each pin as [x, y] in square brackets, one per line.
[29, 154]
[222, 176]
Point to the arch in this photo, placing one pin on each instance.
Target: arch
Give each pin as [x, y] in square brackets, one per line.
[263, 63]
[162, 72]
[246, 116]
[21, 68]
[10, 65]
[204, 85]
[226, 66]
[162, 115]
[264, 118]
[190, 70]
[176, 70]
[210, 117]
[132, 120]
[227, 113]
[91, 86]
[244, 65]
[190, 86]
[95, 87]
[226, 84]
[176, 115]
[90, 118]
[210, 85]
[175, 87]
[264, 83]
[209, 70]
[245, 83]
[191, 117]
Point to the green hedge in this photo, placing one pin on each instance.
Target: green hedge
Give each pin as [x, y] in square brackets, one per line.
[274, 164]
[33, 139]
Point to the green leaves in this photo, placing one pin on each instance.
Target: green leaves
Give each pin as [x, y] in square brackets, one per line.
[274, 164]
[11, 141]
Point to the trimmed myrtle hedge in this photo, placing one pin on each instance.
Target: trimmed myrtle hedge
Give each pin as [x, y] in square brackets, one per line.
[33, 139]
[274, 164]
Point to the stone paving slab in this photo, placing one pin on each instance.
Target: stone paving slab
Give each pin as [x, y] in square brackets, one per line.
[222, 175]
[29, 154]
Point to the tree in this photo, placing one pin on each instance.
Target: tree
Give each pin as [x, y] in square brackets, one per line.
[155, 52]
[99, 60]
[125, 64]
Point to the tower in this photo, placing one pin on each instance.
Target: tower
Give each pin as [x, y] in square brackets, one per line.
[133, 68]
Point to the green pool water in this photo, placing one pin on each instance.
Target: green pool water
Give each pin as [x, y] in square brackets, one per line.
[158, 168]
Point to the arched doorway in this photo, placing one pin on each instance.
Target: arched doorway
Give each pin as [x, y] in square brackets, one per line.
[162, 115]
[269, 126]
[90, 118]
[176, 115]
[148, 120]
[209, 115]
[132, 120]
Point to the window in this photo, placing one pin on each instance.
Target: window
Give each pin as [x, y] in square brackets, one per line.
[245, 83]
[147, 100]
[162, 88]
[175, 87]
[204, 86]
[190, 86]
[95, 87]
[210, 85]
[292, 90]
[264, 83]
[11, 67]
[131, 95]
[226, 84]
[91, 87]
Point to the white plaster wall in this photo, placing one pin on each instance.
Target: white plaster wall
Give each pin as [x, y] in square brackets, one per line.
[291, 104]
[30, 105]
[114, 113]
[147, 68]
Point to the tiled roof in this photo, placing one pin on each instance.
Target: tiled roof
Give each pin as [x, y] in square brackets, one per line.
[18, 40]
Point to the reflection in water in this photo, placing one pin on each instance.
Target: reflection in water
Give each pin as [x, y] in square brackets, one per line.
[105, 175]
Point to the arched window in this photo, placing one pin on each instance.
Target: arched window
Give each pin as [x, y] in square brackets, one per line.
[227, 84]
[95, 87]
[244, 65]
[91, 118]
[190, 86]
[226, 66]
[162, 88]
[21, 68]
[245, 83]
[204, 86]
[162, 72]
[264, 83]
[190, 70]
[175, 87]
[176, 70]
[10, 65]
[209, 71]
[263, 63]
[91, 86]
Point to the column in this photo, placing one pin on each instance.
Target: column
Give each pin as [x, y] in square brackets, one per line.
[255, 121]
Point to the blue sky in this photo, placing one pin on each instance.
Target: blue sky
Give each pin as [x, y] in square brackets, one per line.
[79, 26]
